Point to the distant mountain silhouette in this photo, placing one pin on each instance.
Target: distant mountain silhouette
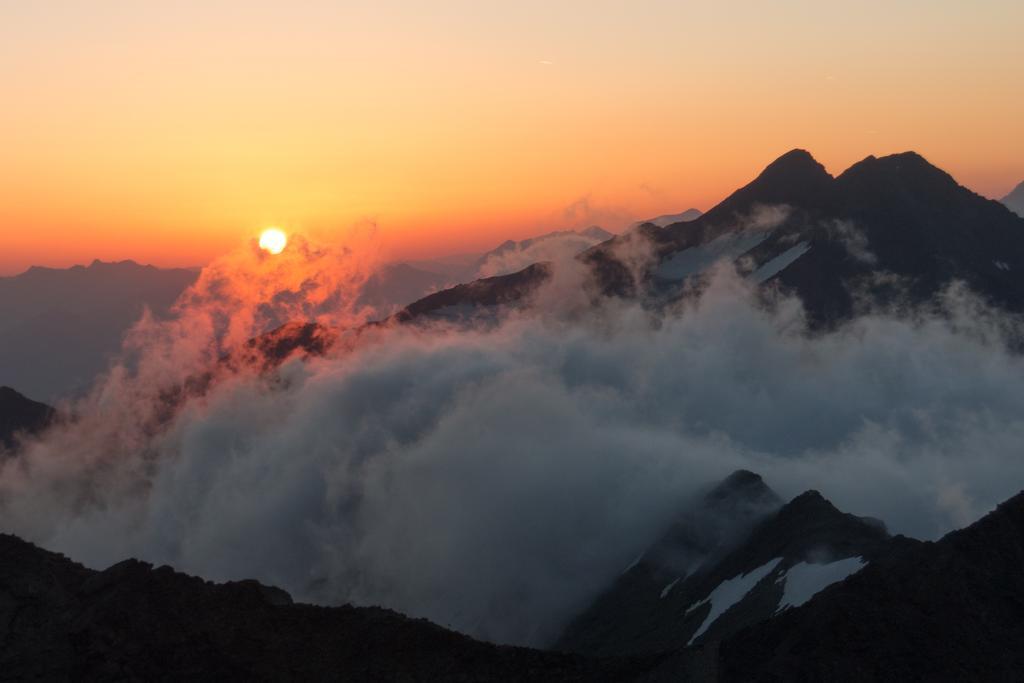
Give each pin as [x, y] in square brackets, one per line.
[670, 218]
[1015, 200]
[395, 285]
[60, 327]
[20, 415]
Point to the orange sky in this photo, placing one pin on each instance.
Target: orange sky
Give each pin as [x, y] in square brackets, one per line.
[169, 132]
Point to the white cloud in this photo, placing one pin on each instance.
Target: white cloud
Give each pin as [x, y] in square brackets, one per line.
[493, 481]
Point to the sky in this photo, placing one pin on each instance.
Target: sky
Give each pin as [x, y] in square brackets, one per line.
[170, 132]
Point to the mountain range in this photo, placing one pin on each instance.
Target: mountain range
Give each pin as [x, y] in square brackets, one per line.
[888, 233]
[60, 327]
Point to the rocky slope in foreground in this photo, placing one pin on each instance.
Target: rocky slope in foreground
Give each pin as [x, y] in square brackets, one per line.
[61, 621]
[952, 610]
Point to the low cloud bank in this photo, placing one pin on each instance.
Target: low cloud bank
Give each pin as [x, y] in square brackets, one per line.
[494, 480]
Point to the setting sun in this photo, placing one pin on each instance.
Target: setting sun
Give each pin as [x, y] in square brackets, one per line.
[273, 240]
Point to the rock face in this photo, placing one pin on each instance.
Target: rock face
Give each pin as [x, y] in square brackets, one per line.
[61, 621]
[20, 415]
[889, 232]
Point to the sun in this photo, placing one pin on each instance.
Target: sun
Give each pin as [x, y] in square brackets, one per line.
[273, 240]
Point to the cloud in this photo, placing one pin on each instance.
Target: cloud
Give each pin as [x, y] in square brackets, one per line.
[854, 240]
[495, 480]
[584, 212]
[556, 247]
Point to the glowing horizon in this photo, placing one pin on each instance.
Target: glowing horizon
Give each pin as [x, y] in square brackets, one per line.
[168, 135]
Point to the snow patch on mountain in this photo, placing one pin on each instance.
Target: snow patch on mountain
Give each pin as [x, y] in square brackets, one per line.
[668, 589]
[693, 260]
[805, 580]
[634, 563]
[730, 592]
[773, 267]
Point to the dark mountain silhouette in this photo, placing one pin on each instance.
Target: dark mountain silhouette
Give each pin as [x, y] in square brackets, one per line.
[465, 301]
[891, 232]
[61, 621]
[841, 601]
[60, 327]
[1015, 200]
[725, 564]
[952, 610]
[808, 594]
[20, 415]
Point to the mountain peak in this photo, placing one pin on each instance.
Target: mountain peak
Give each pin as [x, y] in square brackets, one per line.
[903, 170]
[809, 508]
[811, 500]
[794, 178]
[796, 166]
[795, 157]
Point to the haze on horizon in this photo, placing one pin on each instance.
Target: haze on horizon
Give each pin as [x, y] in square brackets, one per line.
[168, 133]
